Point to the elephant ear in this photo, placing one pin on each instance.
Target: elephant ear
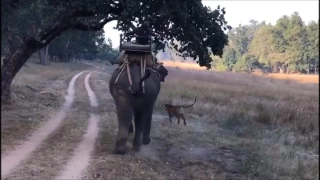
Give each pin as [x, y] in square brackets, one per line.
[162, 71]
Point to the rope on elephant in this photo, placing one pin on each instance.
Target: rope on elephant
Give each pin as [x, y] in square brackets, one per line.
[125, 65]
[143, 69]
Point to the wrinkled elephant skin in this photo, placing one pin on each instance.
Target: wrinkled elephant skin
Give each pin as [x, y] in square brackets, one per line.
[138, 106]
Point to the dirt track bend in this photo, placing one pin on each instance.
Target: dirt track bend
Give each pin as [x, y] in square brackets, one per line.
[13, 162]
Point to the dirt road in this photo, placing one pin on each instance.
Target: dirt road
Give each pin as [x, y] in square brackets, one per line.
[77, 139]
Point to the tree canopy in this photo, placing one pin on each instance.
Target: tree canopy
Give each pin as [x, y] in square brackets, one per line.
[30, 25]
[198, 29]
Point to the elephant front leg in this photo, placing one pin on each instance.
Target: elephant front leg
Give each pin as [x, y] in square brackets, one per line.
[124, 114]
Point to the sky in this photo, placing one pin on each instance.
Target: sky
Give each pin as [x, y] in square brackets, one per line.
[241, 12]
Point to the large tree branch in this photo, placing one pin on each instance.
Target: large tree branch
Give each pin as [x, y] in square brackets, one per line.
[99, 26]
[55, 30]
[8, 5]
[64, 20]
[80, 12]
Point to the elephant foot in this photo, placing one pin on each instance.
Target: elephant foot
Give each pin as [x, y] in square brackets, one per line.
[136, 148]
[121, 147]
[120, 151]
[146, 140]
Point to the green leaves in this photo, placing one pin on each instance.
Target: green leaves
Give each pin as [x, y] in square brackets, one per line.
[246, 63]
[289, 46]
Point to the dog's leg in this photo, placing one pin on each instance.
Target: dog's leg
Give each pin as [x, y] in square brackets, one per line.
[184, 119]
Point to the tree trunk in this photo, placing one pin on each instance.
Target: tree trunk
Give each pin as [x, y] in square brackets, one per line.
[66, 52]
[308, 65]
[46, 57]
[10, 68]
[280, 69]
[286, 68]
[42, 56]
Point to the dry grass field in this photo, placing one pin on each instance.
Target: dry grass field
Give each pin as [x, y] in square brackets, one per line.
[275, 117]
[297, 77]
[183, 65]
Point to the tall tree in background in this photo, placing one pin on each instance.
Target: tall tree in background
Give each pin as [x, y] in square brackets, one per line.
[290, 36]
[240, 39]
[281, 59]
[296, 38]
[263, 46]
[312, 48]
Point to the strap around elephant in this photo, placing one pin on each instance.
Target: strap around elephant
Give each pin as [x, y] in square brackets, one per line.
[126, 64]
[122, 67]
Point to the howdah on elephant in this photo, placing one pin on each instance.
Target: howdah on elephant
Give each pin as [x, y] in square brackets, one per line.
[135, 86]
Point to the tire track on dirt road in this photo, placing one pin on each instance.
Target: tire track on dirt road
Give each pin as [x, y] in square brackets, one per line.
[81, 158]
[14, 158]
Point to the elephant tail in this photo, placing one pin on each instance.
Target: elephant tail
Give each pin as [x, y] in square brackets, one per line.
[145, 77]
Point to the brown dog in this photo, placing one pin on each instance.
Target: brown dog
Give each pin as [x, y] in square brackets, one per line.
[177, 111]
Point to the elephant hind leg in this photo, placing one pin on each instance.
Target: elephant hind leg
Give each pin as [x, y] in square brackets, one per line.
[131, 128]
[124, 114]
[139, 126]
[146, 132]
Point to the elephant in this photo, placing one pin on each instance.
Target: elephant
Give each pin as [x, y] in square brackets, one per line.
[131, 102]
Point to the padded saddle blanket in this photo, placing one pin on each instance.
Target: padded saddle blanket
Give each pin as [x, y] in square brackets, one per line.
[128, 46]
[135, 57]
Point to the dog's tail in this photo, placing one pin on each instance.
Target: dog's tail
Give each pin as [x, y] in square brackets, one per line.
[185, 106]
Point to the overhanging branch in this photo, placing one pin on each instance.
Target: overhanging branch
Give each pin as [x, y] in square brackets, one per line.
[64, 20]
[99, 26]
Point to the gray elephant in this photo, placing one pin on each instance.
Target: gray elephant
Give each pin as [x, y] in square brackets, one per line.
[131, 102]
